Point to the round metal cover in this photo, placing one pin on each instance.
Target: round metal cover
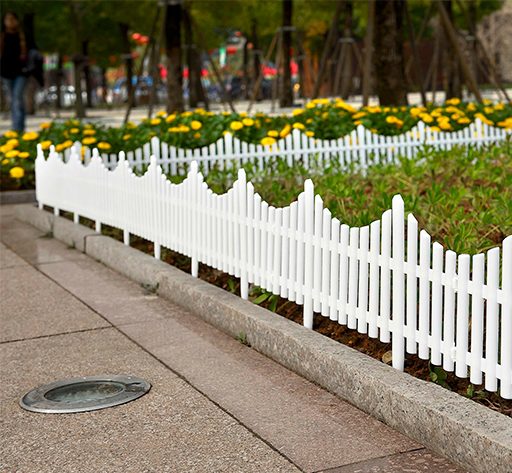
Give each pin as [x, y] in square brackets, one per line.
[84, 394]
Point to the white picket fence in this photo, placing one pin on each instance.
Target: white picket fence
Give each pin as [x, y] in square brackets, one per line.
[446, 307]
[361, 147]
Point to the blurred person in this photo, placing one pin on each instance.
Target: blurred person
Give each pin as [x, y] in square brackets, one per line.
[13, 66]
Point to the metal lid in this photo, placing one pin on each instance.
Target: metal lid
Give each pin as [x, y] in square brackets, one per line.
[88, 393]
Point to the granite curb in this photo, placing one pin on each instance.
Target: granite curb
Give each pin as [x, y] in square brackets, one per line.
[463, 431]
[17, 197]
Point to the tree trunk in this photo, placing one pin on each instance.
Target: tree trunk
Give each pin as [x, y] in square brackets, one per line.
[59, 74]
[128, 60]
[245, 67]
[30, 94]
[256, 57]
[173, 52]
[389, 57]
[87, 73]
[451, 74]
[300, 63]
[346, 81]
[472, 9]
[76, 17]
[193, 77]
[286, 96]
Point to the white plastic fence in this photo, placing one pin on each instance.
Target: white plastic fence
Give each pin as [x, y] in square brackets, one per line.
[446, 307]
[361, 146]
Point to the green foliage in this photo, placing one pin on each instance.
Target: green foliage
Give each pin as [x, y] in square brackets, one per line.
[263, 295]
[438, 376]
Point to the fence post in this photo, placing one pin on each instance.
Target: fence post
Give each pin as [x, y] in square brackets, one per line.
[192, 175]
[506, 320]
[309, 197]
[398, 345]
[242, 222]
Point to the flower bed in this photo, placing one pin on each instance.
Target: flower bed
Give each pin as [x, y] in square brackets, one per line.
[320, 118]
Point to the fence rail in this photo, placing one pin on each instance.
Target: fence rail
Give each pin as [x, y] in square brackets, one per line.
[361, 146]
[446, 307]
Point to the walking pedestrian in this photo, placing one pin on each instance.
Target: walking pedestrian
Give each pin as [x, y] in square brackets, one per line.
[13, 66]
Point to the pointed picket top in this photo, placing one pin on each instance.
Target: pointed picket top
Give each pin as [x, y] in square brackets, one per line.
[242, 177]
[122, 157]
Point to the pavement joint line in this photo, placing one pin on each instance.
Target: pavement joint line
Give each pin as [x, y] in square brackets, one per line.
[466, 433]
[179, 375]
[55, 335]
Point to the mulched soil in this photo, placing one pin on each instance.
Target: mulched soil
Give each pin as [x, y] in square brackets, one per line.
[361, 342]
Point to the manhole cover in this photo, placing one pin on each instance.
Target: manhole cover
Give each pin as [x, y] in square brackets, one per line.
[84, 394]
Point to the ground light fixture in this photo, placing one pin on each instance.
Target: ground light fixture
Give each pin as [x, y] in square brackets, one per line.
[84, 394]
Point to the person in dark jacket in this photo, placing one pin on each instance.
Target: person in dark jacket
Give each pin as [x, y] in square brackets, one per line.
[13, 63]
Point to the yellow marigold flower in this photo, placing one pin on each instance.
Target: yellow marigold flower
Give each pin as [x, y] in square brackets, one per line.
[427, 118]
[325, 115]
[74, 131]
[399, 123]
[5, 148]
[196, 125]
[186, 114]
[285, 131]
[464, 120]
[58, 148]
[445, 125]
[45, 125]
[74, 122]
[200, 111]
[12, 154]
[391, 119]
[13, 143]
[17, 172]
[299, 126]
[151, 134]
[104, 145]
[499, 106]
[310, 133]
[30, 136]
[268, 120]
[310, 105]
[486, 101]
[248, 121]
[268, 141]
[162, 113]
[11, 134]
[184, 128]
[173, 129]
[170, 118]
[45, 144]
[488, 110]
[374, 130]
[89, 125]
[297, 111]
[226, 113]
[273, 133]
[471, 107]
[236, 125]
[243, 114]
[386, 109]
[225, 132]
[89, 141]
[5, 161]
[127, 137]
[197, 135]
[435, 128]
[67, 144]
[143, 119]
[130, 125]
[453, 101]
[358, 115]
[155, 121]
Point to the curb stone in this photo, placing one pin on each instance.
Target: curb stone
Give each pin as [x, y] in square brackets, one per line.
[457, 428]
[17, 197]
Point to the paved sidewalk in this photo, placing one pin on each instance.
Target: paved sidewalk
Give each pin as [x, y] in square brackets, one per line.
[215, 404]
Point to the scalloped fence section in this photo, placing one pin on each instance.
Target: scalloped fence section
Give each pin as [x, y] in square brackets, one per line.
[361, 147]
[387, 280]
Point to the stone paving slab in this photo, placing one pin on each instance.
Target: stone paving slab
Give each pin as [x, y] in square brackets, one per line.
[33, 245]
[34, 306]
[173, 428]
[9, 259]
[421, 461]
[118, 299]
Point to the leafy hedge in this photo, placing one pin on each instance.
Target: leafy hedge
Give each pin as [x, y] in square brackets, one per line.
[320, 118]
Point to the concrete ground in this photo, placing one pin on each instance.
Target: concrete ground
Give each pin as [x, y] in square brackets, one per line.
[115, 116]
[215, 405]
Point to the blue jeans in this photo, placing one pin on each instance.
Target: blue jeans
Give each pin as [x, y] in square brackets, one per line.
[16, 88]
